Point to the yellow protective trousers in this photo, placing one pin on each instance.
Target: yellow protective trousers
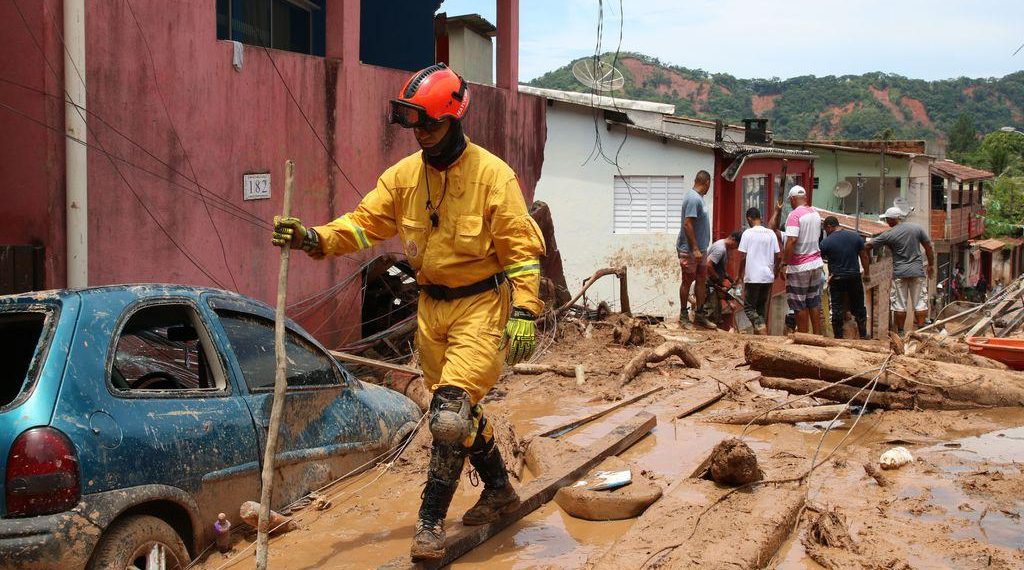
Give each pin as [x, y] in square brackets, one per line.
[459, 340]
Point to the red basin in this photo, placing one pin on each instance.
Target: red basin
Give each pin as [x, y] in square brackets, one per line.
[1009, 351]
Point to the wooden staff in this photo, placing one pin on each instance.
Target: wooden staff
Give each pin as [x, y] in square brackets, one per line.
[280, 383]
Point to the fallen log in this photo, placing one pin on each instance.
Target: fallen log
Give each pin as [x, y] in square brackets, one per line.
[818, 340]
[786, 416]
[835, 392]
[955, 382]
[461, 539]
[527, 368]
[654, 355]
[619, 272]
[854, 395]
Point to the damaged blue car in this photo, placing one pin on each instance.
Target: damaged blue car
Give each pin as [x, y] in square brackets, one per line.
[130, 416]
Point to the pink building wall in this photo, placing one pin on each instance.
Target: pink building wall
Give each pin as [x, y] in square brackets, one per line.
[229, 123]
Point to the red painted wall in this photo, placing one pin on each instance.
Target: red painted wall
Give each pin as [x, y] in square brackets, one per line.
[229, 123]
[31, 156]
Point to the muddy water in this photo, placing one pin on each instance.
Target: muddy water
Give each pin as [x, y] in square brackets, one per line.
[373, 518]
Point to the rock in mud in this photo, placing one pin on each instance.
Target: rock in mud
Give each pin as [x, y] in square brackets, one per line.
[734, 463]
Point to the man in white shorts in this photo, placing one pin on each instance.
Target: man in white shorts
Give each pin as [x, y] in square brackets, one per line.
[906, 239]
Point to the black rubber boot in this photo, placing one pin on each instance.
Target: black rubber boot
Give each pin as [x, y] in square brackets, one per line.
[498, 496]
[446, 462]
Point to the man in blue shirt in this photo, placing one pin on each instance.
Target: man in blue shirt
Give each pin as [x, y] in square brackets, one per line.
[691, 246]
[844, 252]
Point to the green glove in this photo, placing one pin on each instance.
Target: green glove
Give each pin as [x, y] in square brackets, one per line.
[520, 336]
[291, 233]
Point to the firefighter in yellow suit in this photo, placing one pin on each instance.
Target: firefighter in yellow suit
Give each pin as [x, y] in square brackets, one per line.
[462, 220]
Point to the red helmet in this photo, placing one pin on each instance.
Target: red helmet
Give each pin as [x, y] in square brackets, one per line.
[429, 97]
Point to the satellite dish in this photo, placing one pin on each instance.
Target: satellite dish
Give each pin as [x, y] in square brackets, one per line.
[598, 75]
[842, 189]
[904, 206]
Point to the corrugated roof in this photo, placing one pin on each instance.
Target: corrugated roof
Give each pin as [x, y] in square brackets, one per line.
[839, 146]
[602, 101]
[868, 227]
[961, 173]
[897, 145]
[990, 244]
[1011, 241]
[730, 148]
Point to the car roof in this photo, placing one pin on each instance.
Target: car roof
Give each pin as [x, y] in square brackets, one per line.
[141, 290]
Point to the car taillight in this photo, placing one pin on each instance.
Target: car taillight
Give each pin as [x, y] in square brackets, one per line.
[42, 474]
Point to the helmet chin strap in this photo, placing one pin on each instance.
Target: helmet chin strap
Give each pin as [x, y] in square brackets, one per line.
[448, 149]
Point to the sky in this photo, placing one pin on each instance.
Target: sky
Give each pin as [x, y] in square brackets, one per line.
[776, 38]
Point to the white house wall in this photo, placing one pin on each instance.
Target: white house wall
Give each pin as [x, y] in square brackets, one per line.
[580, 193]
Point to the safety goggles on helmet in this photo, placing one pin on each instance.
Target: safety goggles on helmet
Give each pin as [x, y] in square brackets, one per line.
[411, 116]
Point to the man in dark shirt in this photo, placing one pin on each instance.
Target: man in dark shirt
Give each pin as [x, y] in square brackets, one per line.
[842, 250]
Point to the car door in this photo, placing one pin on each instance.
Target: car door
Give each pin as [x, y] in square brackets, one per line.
[325, 430]
[154, 405]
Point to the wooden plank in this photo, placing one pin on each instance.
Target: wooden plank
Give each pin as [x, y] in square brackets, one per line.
[346, 357]
[566, 428]
[743, 532]
[1008, 300]
[731, 378]
[462, 539]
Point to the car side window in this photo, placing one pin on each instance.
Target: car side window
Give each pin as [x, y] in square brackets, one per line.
[252, 340]
[164, 348]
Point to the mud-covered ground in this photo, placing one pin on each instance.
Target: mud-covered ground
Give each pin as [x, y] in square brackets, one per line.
[957, 505]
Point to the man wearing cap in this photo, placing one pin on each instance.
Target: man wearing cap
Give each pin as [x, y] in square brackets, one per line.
[802, 260]
[842, 250]
[462, 220]
[906, 239]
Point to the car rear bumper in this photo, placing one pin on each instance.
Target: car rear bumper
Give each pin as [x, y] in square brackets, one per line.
[63, 540]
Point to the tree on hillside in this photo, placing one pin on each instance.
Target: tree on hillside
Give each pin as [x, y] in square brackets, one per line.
[1004, 207]
[1000, 152]
[963, 137]
[1003, 151]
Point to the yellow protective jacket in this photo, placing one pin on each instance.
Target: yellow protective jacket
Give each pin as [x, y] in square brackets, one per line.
[483, 227]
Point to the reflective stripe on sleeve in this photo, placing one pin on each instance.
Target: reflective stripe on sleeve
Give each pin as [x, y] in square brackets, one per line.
[357, 231]
[531, 267]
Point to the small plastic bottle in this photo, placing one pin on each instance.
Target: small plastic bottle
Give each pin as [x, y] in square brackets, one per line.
[222, 528]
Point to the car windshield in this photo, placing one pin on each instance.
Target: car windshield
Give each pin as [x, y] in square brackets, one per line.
[21, 335]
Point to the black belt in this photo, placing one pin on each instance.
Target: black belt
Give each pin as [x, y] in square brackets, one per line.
[442, 293]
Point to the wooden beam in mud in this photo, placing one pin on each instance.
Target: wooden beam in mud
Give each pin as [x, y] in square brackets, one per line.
[742, 532]
[462, 539]
[346, 357]
[566, 428]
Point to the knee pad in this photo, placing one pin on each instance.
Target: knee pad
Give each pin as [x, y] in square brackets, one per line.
[451, 415]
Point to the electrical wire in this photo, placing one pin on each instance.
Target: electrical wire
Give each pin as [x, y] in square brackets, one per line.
[177, 138]
[295, 101]
[35, 41]
[125, 161]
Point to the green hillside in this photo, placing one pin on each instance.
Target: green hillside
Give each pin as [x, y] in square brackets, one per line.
[848, 106]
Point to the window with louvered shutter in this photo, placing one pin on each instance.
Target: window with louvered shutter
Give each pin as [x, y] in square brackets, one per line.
[648, 204]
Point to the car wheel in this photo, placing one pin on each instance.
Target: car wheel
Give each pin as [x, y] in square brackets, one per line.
[140, 542]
